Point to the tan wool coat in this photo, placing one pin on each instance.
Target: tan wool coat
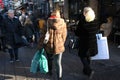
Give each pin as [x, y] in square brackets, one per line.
[58, 32]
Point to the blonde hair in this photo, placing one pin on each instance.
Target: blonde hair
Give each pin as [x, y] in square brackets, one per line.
[89, 14]
[28, 21]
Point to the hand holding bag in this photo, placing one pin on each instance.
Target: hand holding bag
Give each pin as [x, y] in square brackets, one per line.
[103, 51]
[35, 62]
[39, 62]
[43, 63]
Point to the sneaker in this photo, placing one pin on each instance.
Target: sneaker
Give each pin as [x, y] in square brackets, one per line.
[11, 61]
[118, 46]
[91, 74]
[60, 79]
[17, 60]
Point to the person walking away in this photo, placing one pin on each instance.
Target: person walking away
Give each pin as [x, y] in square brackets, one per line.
[86, 31]
[106, 27]
[2, 47]
[23, 16]
[29, 31]
[41, 25]
[12, 27]
[55, 45]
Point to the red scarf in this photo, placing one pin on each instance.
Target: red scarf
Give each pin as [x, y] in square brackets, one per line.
[53, 17]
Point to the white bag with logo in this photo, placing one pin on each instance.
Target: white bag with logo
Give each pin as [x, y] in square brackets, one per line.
[103, 51]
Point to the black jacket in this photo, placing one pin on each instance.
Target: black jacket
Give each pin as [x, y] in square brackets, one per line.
[10, 28]
[86, 31]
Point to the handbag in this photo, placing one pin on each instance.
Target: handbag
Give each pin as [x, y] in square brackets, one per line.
[39, 62]
[43, 63]
[46, 39]
[103, 51]
[20, 41]
[47, 35]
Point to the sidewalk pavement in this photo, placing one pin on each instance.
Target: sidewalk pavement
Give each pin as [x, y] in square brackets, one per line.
[72, 66]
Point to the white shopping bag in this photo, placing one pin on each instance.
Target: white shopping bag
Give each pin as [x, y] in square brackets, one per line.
[103, 51]
[47, 35]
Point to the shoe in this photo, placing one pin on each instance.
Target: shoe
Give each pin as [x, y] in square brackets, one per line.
[60, 79]
[88, 72]
[50, 73]
[91, 74]
[17, 60]
[118, 46]
[11, 61]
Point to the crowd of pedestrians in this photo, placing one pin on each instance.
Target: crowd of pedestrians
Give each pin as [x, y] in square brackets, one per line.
[17, 31]
[25, 30]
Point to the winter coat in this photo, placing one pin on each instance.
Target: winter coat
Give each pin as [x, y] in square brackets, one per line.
[86, 31]
[1, 24]
[29, 30]
[106, 27]
[58, 32]
[12, 28]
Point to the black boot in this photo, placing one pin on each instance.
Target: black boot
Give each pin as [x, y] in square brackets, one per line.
[11, 55]
[50, 73]
[60, 79]
[88, 72]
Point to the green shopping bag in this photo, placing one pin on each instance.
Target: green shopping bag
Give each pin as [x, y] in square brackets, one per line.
[43, 63]
[39, 62]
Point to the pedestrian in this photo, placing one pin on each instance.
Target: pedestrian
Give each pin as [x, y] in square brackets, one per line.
[29, 31]
[12, 27]
[23, 16]
[41, 23]
[86, 31]
[1, 35]
[55, 45]
[107, 27]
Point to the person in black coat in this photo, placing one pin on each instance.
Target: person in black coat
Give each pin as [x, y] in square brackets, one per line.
[86, 31]
[29, 30]
[11, 28]
[1, 36]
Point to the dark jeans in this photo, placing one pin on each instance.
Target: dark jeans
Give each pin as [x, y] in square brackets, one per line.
[57, 59]
[13, 53]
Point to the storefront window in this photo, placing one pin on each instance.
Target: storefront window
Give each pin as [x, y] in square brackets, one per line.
[75, 7]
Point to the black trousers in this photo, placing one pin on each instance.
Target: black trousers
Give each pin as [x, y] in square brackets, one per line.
[13, 53]
[85, 59]
[57, 59]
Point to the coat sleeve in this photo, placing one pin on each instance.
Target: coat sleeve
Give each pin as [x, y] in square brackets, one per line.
[64, 32]
[20, 30]
[42, 36]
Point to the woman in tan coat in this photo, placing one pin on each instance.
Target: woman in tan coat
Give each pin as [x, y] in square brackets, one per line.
[55, 45]
[107, 27]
